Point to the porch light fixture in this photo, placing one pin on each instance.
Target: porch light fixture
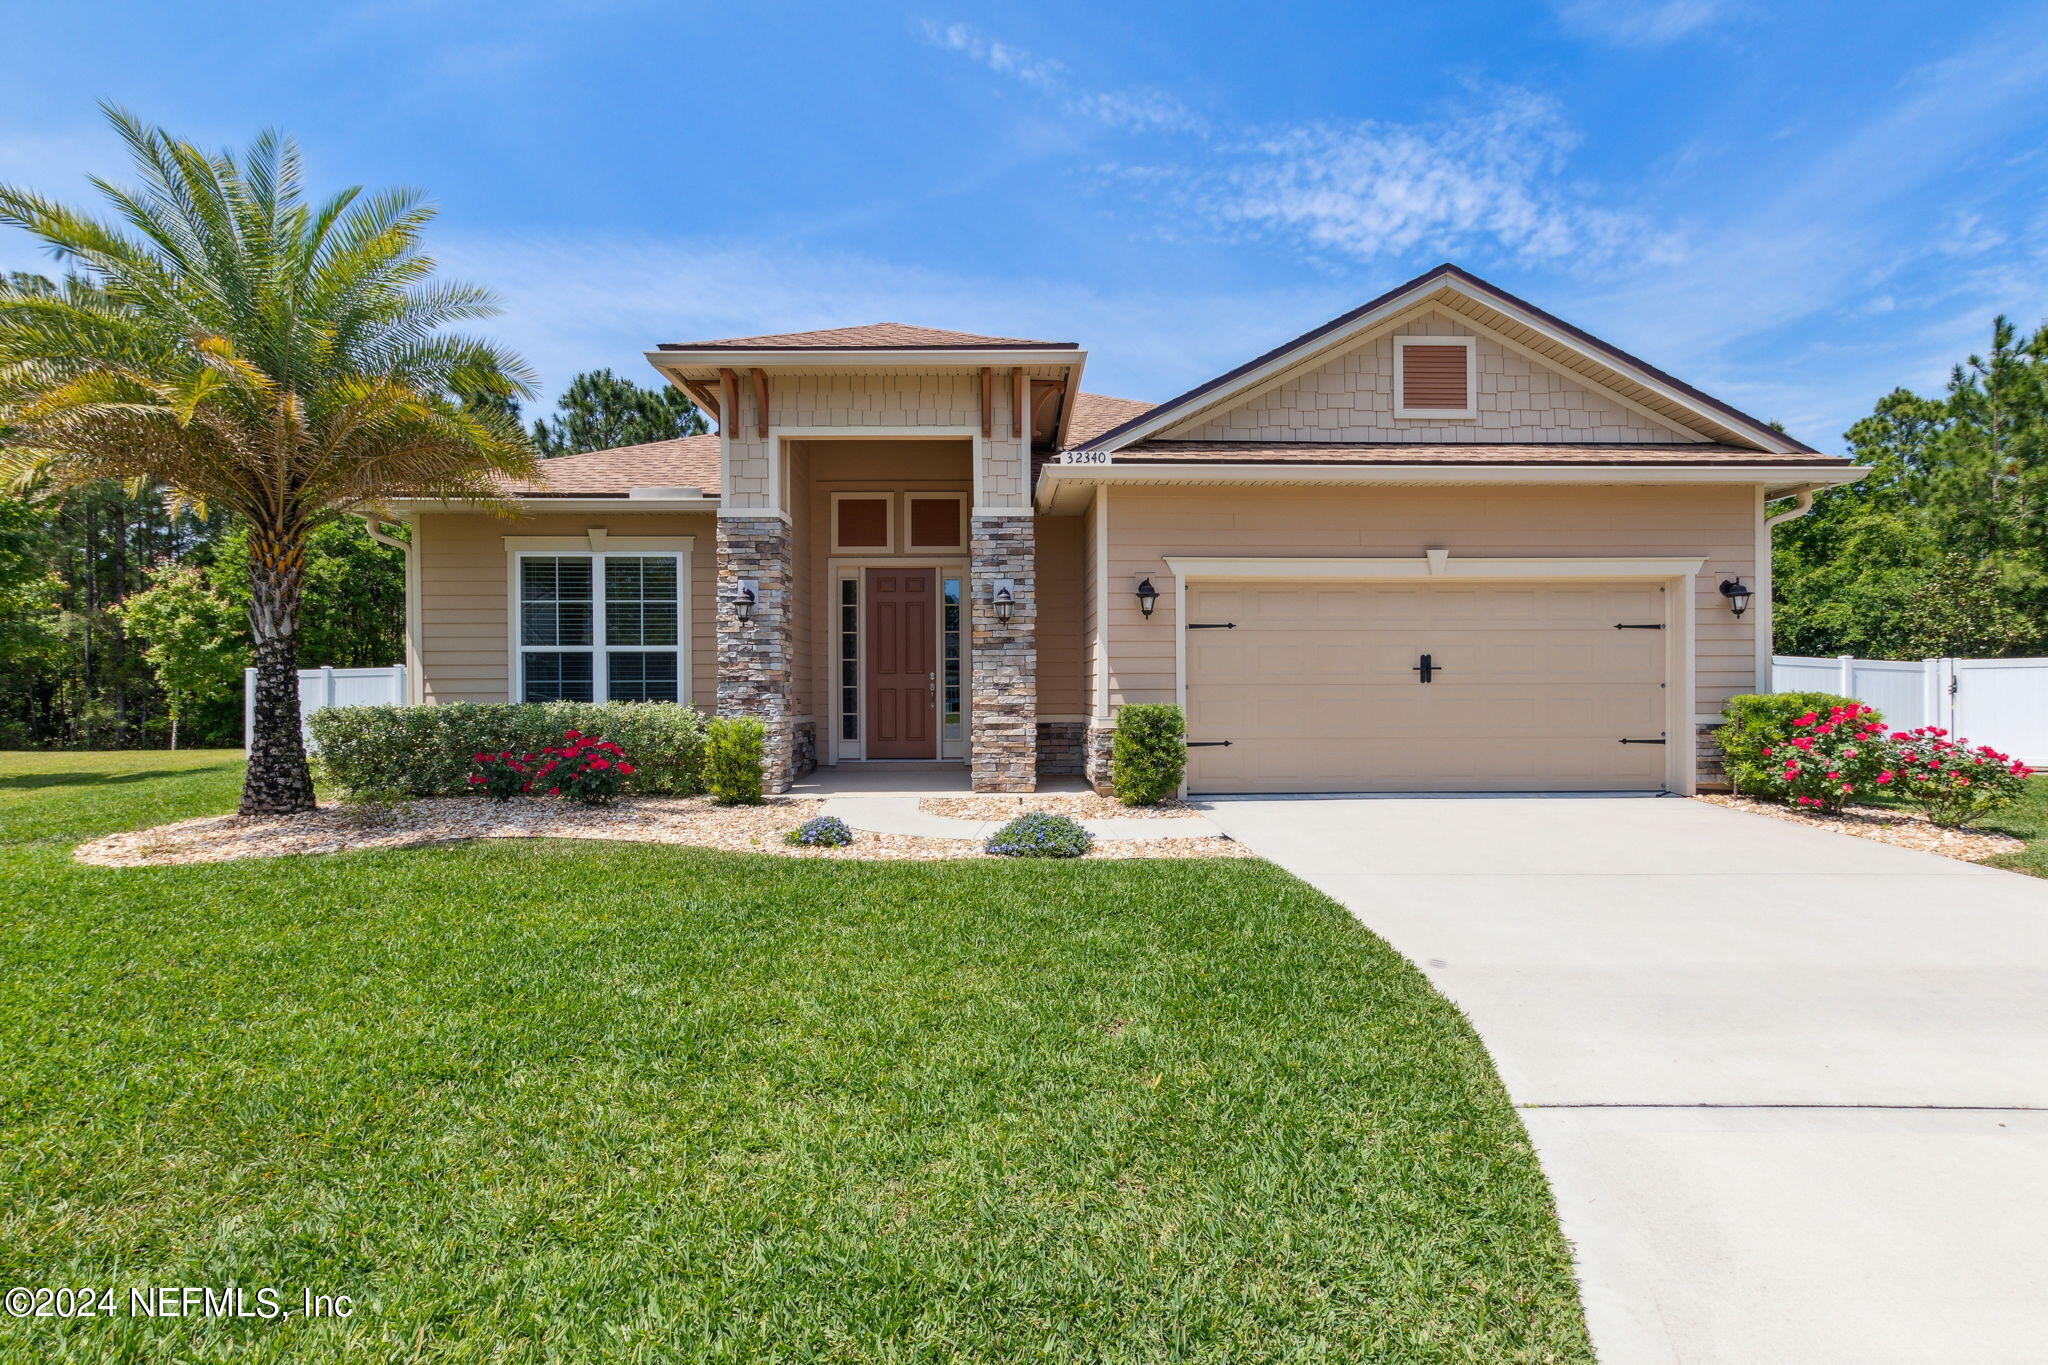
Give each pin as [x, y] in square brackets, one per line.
[1003, 597]
[743, 600]
[1148, 596]
[1737, 594]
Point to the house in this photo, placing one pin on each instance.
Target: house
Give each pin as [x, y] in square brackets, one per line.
[1443, 542]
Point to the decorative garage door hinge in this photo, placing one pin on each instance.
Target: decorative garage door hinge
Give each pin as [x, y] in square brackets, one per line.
[1212, 625]
[1208, 744]
[1642, 741]
[1624, 626]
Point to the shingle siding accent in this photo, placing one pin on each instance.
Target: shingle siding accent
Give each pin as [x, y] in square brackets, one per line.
[1351, 398]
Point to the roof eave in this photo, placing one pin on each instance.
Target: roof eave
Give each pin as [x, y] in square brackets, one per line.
[895, 358]
[1777, 480]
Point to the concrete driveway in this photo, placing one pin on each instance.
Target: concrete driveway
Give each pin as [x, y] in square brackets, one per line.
[1791, 1088]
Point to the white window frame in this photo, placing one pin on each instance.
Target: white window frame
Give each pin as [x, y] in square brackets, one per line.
[1469, 412]
[888, 501]
[911, 545]
[596, 545]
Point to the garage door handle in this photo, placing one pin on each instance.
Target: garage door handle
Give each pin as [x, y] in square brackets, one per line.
[1208, 744]
[1642, 741]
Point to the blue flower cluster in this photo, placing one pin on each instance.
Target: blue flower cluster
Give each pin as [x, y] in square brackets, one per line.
[1039, 835]
[827, 831]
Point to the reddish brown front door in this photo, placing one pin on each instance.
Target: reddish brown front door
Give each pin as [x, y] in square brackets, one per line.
[902, 663]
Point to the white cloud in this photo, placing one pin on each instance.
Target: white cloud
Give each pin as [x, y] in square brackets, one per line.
[1488, 179]
[1136, 108]
[1637, 23]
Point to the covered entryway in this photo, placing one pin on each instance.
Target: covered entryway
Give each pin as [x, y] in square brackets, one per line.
[1427, 686]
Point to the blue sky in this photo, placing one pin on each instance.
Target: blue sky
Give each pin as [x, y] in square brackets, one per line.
[1793, 207]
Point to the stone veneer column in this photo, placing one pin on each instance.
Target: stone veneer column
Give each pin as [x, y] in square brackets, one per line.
[754, 655]
[1004, 744]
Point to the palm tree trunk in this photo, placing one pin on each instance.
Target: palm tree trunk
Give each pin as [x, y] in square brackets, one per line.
[279, 782]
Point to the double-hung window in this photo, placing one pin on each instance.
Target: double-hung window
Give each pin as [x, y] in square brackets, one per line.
[599, 627]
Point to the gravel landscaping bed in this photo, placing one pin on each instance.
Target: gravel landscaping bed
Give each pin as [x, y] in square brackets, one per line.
[1904, 828]
[1077, 805]
[654, 820]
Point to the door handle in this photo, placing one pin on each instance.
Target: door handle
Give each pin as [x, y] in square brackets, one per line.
[932, 684]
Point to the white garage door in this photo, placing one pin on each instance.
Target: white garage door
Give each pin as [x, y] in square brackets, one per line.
[1319, 688]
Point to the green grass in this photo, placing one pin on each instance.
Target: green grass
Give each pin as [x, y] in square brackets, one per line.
[2026, 820]
[535, 1101]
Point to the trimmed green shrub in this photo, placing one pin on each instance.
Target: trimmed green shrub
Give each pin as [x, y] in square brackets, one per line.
[1040, 835]
[431, 750]
[1149, 754]
[732, 760]
[1759, 721]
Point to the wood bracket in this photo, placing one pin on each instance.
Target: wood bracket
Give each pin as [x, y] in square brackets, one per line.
[729, 401]
[761, 397]
[988, 402]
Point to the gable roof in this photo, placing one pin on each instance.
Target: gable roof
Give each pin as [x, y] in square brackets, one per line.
[1096, 413]
[873, 336]
[685, 462]
[1606, 365]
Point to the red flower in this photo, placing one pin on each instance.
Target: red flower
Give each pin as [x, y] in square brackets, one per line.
[1767, 753]
[554, 791]
[1807, 719]
[572, 734]
[626, 768]
[598, 764]
[1884, 777]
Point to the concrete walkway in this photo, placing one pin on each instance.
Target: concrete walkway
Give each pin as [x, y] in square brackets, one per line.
[1791, 1088]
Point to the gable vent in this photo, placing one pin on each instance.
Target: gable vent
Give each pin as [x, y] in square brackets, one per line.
[1436, 377]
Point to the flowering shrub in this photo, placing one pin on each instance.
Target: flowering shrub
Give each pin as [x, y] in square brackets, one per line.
[1040, 835]
[1950, 781]
[826, 831]
[1827, 759]
[501, 776]
[584, 768]
[1759, 724]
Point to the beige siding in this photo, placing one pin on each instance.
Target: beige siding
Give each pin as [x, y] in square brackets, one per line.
[1351, 398]
[1148, 524]
[1062, 590]
[883, 401]
[465, 594]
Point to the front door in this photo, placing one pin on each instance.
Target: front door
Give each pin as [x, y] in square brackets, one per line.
[902, 667]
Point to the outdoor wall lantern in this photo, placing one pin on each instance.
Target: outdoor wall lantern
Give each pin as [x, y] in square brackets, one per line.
[1003, 597]
[1148, 596]
[1737, 594]
[743, 600]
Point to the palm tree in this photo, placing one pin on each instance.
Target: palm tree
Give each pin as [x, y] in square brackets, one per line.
[250, 352]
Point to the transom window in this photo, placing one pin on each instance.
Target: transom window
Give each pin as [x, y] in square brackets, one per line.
[568, 601]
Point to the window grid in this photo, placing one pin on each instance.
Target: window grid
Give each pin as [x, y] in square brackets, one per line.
[849, 659]
[637, 596]
[950, 714]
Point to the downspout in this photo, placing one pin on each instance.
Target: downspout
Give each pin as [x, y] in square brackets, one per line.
[1804, 504]
[1766, 575]
[375, 524]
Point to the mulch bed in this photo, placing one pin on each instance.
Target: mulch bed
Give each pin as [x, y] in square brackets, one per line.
[1904, 828]
[695, 821]
[1076, 805]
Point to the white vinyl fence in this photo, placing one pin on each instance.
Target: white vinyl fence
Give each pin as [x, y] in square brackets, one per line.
[2000, 702]
[320, 688]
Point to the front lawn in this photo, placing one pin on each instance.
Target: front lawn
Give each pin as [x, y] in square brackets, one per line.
[2026, 820]
[543, 1100]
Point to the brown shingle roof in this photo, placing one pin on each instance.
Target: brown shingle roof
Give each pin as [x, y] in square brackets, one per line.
[1376, 452]
[1095, 413]
[895, 336]
[686, 462]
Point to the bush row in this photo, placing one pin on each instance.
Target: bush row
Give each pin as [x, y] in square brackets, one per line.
[431, 750]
